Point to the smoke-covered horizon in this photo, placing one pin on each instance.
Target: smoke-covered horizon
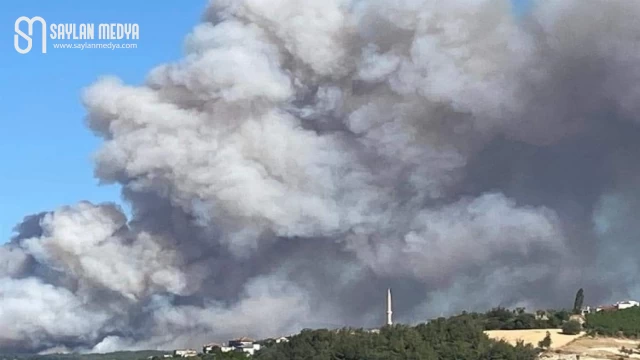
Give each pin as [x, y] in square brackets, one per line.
[303, 156]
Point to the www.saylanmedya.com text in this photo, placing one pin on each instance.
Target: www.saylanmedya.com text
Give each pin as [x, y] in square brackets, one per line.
[86, 45]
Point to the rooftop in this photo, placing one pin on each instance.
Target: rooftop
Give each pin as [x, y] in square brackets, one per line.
[243, 339]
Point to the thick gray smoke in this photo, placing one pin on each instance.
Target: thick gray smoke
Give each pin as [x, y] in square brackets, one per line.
[305, 155]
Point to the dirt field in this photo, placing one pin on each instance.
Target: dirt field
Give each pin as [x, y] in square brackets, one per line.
[568, 347]
[596, 349]
[533, 336]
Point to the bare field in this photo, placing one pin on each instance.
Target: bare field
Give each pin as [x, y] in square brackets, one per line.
[598, 348]
[569, 347]
[533, 336]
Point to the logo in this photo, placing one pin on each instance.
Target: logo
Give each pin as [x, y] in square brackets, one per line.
[19, 32]
[78, 36]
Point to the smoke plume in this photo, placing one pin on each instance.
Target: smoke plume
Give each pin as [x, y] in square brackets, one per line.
[305, 155]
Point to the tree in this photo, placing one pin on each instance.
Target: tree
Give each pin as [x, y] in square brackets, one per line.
[571, 327]
[624, 322]
[577, 304]
[546, 342]
[458, 337]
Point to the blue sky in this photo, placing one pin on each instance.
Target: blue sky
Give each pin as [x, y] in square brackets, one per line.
[45, 149]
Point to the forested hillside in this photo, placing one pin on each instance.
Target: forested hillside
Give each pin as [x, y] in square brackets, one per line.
[624, 322]
[459, 337]
[505, 319]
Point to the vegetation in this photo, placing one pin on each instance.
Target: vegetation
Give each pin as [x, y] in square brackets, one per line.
[628, 351]
[505, 319]
[571, 327]
[123, 355]
[221, 356]
[120, 355]
[459, 337]
[577, 304]
[625, 322]
[546, 342]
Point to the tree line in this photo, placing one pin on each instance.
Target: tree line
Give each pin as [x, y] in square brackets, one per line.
[619, 323]
[458, 337]
[505, 319]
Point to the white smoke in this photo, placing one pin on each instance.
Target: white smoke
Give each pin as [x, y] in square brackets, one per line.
[305, 155]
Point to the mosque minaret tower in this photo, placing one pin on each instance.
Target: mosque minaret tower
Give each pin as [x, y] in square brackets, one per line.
[389, 312]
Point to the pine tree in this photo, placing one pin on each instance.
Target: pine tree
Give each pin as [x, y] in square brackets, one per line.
[577, 304]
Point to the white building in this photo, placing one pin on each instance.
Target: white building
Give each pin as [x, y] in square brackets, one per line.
[209, 348]
[244, 345]
[185, 353]
[626, 304]
[281, 339]
[620, 305]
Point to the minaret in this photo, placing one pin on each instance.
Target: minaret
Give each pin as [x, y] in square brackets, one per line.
[389, 312]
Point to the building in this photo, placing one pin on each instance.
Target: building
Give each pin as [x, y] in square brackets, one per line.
[281, 339]
[389, 312]
[245, 345]
[185, 353]
[243, 341]
[585, 310]
[606, 308]
[626, 304]
[620, 305]
[209, 348]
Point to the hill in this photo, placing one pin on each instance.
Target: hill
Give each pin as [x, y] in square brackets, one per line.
[120, 355]
[620, 323]
[459, 337]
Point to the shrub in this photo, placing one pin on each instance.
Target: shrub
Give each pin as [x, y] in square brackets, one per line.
[546, 342]
[571, 327]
